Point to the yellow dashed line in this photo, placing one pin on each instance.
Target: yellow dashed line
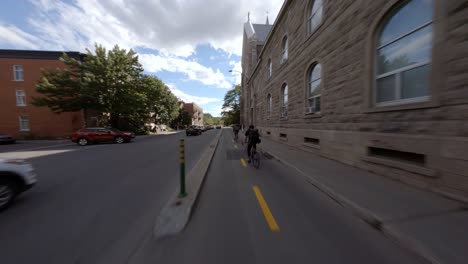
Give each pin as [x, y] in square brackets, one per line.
[266, 211]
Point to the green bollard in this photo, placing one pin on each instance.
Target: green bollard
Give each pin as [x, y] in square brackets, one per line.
[182, 168]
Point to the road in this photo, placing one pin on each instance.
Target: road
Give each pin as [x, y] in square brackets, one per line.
[92, 204]
[269, 215]
[98, 204]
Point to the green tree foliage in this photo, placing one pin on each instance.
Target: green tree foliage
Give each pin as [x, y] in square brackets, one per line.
[110, 82]
[231, 106]
[160, 102]
[208, 119]
[182, 120]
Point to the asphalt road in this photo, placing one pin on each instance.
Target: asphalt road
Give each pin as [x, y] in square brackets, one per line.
[93, 204]
[269, 215]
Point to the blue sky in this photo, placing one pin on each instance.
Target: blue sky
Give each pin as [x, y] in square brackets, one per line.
[189, 44]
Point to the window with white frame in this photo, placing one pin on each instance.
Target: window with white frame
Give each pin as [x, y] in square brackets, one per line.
[270, 69]
[284, 49]
[284, 100]
[20, 98]
[24, 123]
[404, 48]
[315, 15]
[269, 103]
[314, 88]
[18, 73]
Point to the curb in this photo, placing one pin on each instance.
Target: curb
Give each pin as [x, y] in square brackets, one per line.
[366, 215]
[175, 215]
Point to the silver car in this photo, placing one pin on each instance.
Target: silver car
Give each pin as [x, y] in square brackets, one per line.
[16, 176]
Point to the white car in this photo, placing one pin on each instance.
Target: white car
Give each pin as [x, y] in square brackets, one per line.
[16, 176]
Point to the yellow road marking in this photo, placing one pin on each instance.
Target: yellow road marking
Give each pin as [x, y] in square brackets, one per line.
[266, 211]
[244, 163]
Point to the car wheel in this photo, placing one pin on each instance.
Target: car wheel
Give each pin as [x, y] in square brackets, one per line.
[187, 134]
[82, 141]
[8, 193]
[119, 140]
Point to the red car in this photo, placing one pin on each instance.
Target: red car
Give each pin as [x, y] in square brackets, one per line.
[88, 135]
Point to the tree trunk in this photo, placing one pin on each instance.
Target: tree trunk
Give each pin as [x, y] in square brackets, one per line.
[114, 120]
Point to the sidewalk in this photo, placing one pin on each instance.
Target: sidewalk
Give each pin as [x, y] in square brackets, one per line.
[430, 225]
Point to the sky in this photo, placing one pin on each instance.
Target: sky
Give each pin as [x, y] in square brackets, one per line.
[189, 44]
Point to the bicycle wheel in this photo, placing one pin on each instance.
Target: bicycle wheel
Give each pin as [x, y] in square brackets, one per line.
[255, 159]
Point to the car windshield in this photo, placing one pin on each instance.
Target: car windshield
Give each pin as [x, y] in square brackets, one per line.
[113, 129]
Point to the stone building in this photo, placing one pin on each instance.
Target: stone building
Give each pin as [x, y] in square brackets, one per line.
[381, 85]
[196, 112]
[20, 71]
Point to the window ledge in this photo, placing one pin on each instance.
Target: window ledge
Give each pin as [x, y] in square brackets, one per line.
[284, 118]
[312, 115]
[398, 107]
[17, 80]
[310, 145]
[402, 165]
[313, 33]
[283, 139]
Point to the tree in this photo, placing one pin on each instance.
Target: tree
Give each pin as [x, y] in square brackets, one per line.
[211, 120]
[231, 106]
[107, 81]
[183, 119]
[160, 101]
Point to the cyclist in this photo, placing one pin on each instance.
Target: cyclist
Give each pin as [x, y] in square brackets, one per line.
[252, 136]
[236, 131]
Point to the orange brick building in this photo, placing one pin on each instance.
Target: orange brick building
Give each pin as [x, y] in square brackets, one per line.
[19, 72]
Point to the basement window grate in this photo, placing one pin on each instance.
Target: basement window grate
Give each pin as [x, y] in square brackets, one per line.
[396, 155]
[268, 133]
[283, 135]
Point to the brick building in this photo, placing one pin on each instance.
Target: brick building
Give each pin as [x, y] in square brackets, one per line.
[381, 85]
[19, 72]
[196, 112]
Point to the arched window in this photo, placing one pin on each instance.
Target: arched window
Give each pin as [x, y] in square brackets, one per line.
[284, 100]
[404, 48]
[314, 88]
[270, 69]
[315, 15]
[269, 103]
[284, 49]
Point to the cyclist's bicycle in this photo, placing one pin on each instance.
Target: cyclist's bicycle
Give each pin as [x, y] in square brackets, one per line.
[255, 157]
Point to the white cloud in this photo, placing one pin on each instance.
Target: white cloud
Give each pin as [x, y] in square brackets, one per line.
[170, 26]
[191, 98]
[192, 69]
[214, 110]
[12, 36]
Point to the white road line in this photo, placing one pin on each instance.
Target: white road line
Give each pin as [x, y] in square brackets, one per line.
[52, 146]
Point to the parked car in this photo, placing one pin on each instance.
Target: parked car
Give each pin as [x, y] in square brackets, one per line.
[16, 176]
[89, 135]
[7, 139]
[193, 130]
[218, 127]
[203, 128]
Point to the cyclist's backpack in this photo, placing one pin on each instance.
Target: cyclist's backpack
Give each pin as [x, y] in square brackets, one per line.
[255, 136]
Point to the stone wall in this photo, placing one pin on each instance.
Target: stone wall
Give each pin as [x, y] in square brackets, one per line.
[349, 124]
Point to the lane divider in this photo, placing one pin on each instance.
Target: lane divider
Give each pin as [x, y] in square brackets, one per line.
[266, 211]
[244, 163]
